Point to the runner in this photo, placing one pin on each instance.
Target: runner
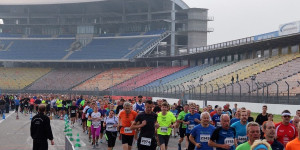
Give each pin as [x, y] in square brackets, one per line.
[294, 144]
[223, 137]
[240, 128]
[191, 120]
[200, 135]
[182, 126]
[175, 113]
[216, 117]
[285, 131]
[84, 119]
[146, 122]
[73, 113]
[165, 120]
[139, 106]
[270, 135]
[111, 123]
[95, 118]
[59, 108]
[253, 133]
[126, 117]
[103, 111]
[88, 113]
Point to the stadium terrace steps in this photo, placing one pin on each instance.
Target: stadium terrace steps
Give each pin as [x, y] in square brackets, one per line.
[198, 73]
[148, 77]
[104, 80]
[46, 49]
[224, 71]
[19, 78]
[270, 70]
[112, 48]
[63, 79]
[174, 76]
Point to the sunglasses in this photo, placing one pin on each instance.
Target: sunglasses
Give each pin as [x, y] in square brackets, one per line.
[287, 116]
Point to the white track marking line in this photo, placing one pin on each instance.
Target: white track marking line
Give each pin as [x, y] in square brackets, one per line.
[6, 117]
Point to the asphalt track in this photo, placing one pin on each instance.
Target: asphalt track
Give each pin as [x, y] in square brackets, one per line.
[15, 135]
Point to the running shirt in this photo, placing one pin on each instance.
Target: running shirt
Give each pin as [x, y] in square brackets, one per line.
[59, 103]
[174, 112]
[222, 136]
[89, 112]
[181, 116]
[96, 124]
[53, 103]
[164, 122]
[241, 132]
[17, 102]
[82, 102]
[293, 145]
[69, 103]
[216, 119]
[139, 107]
[202, 135]
[233, 120]
[191, 118]
[103, 113]
[244, 146]
[31, 102]
[110, 123]
[126, 122]
[148, 130]
[73, 109]
[285, 133]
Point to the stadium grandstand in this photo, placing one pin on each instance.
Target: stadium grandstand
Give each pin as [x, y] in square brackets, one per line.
[149, 47]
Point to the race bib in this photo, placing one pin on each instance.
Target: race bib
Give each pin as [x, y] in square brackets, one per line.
[164, 129]
[146, 141]
[204, 137]
[218, 124]
[190, 127]
[111, 127]
[229, 141]
[127, 130]
[242, 139]
[73, 111]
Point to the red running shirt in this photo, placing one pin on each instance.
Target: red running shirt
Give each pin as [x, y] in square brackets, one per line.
[285, 133]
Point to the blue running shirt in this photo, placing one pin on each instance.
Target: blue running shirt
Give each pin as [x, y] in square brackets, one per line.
[202, 135]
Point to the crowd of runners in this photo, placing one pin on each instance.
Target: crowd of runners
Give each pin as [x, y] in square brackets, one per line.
[149, 125]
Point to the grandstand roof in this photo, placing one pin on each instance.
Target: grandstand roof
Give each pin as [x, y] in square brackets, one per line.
[180, 3]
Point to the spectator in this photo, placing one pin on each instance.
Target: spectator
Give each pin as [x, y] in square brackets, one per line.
[232, 80]
[40, 130]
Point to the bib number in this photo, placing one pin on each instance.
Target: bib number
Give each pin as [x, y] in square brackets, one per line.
[73, 111]
[127, 130]
[229, 141]
[111, 127]
[204, 137]
[146, 141]
[242, 139]
[164, 129]
[190, 127]
[218, 124]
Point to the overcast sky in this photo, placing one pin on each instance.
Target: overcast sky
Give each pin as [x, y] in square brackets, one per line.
[234, 19]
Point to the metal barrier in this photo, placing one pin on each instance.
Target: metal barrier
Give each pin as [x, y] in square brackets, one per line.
[68, 144]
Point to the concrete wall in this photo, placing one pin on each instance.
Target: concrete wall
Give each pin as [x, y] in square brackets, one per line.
[254, 107]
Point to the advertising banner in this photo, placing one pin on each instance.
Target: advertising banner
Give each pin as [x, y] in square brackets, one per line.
[289, 28]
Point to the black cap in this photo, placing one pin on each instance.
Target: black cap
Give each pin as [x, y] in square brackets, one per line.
[140, 96]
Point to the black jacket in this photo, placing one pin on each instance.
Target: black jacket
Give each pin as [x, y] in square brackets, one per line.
[40, 129]
[277, 146]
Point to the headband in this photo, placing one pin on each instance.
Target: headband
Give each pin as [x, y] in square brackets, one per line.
[286, 114]
[261, 146]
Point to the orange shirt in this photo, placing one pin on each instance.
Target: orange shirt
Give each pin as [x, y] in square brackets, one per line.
[293, 145]
[31, 102]
[126, 121]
